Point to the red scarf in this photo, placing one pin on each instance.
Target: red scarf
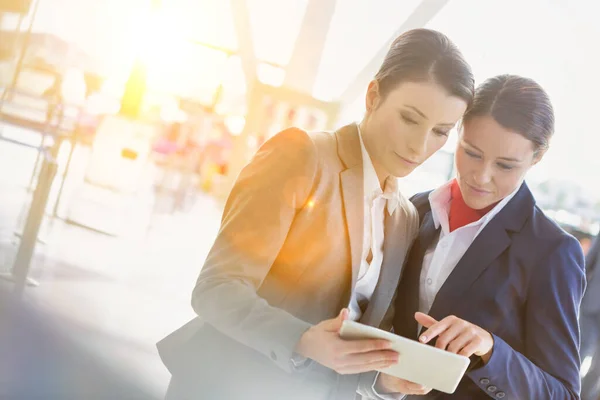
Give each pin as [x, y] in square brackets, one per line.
[460, 213]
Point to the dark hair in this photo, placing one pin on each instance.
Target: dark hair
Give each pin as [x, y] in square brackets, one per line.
[421, 55]
[517, 103]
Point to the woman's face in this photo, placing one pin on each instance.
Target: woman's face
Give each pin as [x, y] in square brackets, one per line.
[491, 161]
[404, 128]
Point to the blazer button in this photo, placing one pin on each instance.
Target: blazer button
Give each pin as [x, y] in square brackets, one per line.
[484, 381]
[492, 388]
[273, 356]
[500, 395]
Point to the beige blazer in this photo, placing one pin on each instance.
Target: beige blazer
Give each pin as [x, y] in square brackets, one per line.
[286, 257]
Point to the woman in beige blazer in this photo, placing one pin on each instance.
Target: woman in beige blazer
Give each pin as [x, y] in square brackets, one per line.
[315, 232]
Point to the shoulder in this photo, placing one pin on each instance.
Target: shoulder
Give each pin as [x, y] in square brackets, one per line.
[545, 230]
[551, 246]
[293, 141]
[287, 153]
[298, 144]
[420, 201]
[412, 216]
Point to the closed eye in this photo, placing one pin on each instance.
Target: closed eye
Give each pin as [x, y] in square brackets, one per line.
[505, 167]
[408, 120]
[471, 154]
[441, 132]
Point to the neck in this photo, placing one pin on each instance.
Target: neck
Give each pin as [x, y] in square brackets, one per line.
[381, 175]
[381, 172]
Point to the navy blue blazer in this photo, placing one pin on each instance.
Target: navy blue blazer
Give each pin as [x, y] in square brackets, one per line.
[522, 280]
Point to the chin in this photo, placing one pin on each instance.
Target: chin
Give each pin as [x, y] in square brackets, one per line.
[401, 171]
[473, 199]
[478, 204]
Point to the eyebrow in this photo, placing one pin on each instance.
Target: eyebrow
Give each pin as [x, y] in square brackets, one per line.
[500, 158]
[415, 109]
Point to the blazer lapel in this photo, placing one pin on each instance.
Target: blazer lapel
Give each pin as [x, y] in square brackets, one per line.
[408, 291]
[394, 254]
[427, 233]
[487, 247]
[352, 184]
[353, 209]
[490, 243]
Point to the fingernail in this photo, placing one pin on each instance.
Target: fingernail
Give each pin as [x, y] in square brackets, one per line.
[423, 338]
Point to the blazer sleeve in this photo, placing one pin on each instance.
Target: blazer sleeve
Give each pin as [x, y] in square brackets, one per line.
[257, 217]
[549, 369]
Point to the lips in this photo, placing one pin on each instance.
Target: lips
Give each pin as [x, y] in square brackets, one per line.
[408, 161]
[478, 190]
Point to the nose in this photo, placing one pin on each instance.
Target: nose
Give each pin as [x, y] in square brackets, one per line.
[483, 175]
[417, 144]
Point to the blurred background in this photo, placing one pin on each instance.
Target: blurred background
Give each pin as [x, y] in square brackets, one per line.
[123, 124]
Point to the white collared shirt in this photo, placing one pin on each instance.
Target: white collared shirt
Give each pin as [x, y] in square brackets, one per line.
[375, 202]
[443, 254]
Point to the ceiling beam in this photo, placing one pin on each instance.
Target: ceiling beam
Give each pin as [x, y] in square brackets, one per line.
[243, 33]
[303, 67]
[419, 18]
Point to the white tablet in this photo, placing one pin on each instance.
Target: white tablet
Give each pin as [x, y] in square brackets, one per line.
[419, 363]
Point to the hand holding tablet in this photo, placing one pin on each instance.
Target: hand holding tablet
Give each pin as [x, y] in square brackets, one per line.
[419, 363]
[322, 343]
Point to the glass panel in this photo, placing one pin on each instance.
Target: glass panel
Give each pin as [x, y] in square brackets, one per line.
[275, 26]
[358, 30]
[208, 21]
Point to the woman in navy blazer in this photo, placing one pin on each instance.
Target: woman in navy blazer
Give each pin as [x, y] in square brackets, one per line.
[511, 300]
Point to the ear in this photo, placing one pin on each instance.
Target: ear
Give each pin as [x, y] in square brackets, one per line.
[538, 156]
[373, 98]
